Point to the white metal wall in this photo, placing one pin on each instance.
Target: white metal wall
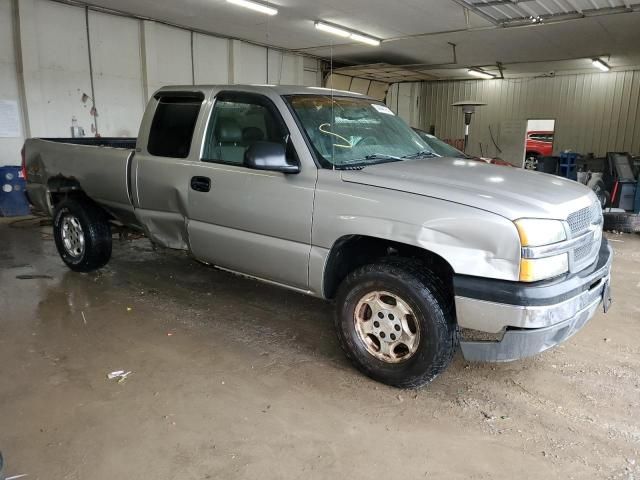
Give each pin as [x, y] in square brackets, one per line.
[9, 84]
[404, 99]
[44, 66]
[596, 112]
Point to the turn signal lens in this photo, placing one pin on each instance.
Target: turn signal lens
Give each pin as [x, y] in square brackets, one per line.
[534, 269]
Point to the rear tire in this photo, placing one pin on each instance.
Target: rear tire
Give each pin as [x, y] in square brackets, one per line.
[82, 235]
[405, 301]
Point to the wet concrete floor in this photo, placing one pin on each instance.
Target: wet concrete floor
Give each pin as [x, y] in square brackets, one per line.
[234, 379]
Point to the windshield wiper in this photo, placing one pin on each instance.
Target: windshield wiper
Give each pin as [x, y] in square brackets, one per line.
[422, 153]
[367, 160]
[381, 156]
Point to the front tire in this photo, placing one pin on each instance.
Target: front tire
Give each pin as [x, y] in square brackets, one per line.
[82, 235]
[531, 161]
[395, 322]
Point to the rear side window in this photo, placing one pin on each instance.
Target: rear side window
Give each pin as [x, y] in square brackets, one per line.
[172, 126]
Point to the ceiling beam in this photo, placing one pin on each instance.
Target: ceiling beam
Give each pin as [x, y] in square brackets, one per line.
[472, 6]
[494, 3]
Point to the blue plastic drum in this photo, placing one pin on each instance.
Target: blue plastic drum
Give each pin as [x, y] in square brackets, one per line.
[13, 199]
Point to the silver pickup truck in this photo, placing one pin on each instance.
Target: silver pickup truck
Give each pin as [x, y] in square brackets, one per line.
[330, 194]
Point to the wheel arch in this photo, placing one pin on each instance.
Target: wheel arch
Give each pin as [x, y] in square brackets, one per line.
[353, 251]
[60, 188]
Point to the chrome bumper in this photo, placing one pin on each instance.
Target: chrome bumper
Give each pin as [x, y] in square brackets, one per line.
[529, 330]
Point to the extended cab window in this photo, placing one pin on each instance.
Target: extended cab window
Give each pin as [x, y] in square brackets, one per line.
[237, 122]
[173, 125]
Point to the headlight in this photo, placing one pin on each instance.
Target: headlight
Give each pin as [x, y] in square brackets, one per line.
[534, 269]
[535, 232]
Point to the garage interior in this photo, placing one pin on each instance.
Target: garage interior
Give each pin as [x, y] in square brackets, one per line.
[222, 376]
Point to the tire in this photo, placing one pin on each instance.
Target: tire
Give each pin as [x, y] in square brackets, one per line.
[600, 190]
[531, 161]
[432, 316]
[622, 222]
[82, 235]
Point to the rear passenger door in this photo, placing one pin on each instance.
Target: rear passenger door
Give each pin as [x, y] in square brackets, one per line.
[251, 221]
[159, 173]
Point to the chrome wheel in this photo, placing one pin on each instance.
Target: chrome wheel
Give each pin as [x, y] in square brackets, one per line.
[387, 326]
[72, 236]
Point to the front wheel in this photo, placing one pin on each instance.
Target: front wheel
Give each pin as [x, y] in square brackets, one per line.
[531, 161]
[82, 234]
[395, 322]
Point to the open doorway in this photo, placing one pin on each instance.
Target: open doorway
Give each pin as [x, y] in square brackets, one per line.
[538, 141]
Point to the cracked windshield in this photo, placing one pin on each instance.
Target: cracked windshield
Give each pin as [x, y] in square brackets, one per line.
[352, 132]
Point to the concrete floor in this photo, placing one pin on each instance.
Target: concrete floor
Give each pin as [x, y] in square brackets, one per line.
[233, 379]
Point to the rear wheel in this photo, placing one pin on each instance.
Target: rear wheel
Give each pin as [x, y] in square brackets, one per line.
[395, 323]
[82, 234]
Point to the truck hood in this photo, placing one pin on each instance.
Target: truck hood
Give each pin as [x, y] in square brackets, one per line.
[511, 192]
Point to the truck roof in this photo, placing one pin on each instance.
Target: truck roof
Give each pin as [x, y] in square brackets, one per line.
[264, 89]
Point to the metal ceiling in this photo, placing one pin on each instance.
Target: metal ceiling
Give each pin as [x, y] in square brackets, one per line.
[518, 12]
[384, 72]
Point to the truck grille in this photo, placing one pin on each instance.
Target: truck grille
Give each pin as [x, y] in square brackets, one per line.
[581, 253]
[580, 222]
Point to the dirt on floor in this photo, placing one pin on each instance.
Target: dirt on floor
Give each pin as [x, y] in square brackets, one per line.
[234, 379]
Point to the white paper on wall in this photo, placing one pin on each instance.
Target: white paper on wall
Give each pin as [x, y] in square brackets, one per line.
[9, 119]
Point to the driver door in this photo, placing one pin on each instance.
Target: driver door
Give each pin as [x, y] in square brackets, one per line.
[251, 221]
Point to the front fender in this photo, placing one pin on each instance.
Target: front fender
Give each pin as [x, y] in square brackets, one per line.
[473, 241]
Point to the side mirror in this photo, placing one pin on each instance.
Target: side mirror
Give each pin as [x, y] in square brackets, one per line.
[269, 156]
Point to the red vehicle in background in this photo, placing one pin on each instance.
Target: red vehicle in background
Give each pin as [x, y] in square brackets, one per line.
[539, 144]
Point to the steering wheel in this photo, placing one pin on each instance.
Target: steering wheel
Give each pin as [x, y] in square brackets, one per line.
[364, 141]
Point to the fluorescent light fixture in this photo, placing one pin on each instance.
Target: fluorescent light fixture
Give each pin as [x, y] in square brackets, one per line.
[601, 64]
[325, 27]
[343, 32]
[476, 72]
[258, 7]
[365, 39]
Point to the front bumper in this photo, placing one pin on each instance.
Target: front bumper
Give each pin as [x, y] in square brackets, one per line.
[531, 318]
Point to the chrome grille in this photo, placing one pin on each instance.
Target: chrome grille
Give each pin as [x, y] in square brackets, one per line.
[580, 222]
[581, 252]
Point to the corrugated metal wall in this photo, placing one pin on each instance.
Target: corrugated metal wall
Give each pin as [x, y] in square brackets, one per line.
[597, 112]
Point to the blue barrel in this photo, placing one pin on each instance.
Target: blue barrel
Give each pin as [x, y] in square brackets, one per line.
[13, 199]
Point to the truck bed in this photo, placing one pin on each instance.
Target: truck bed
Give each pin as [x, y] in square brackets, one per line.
[113, 142]
[97, 166]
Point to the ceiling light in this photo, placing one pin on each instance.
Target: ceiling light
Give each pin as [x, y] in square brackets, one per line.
[343, 32]
[325, 27]
[476, 72]
[258, 7]
[365, 39]
[601, 64]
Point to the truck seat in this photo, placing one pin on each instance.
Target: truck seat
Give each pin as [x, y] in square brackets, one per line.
[250, 135]
[229, 145]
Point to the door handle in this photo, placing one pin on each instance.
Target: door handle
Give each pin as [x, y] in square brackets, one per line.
[201, 184]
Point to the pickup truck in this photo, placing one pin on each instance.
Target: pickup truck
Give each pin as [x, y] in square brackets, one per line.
[330, 194]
